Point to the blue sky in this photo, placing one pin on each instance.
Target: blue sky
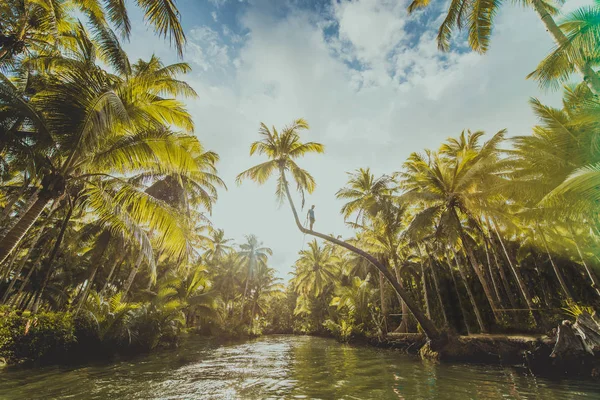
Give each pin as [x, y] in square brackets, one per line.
[368, 78]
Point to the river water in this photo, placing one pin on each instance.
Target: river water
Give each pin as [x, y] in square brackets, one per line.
[283, 367]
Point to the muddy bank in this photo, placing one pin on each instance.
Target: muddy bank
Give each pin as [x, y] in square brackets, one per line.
[572, 349]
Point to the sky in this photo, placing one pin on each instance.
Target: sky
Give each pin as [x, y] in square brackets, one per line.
[367, 77]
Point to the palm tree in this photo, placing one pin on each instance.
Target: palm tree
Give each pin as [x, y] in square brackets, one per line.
[449, 187]
[363, 193]
[100, 127]
[38, 26]
[580, 48]
[478, 17]
[217, 245]
[315, 268]
[254, 256]
[282, 149]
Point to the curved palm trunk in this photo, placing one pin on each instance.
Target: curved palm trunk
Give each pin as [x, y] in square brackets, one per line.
[589, 76]
[428, 327]
[557, 271]
[480, 322]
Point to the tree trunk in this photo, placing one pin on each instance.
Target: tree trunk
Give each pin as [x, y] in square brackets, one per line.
[436, 283]
[480, 274]
[482, 327]
[11, 203]
[491, 272]
[591, 274]
[97, 259]
[557, 271]
[504, 279]
[425, 291]
[245, 293]
[383, 305]
[589, 76]
[16, 233]
[34, 265]
[50, 260]
[405, 325]
[463, 310]
[132, 274]
[23, 261]
[523, 288]
[112, 270]
[428, 327]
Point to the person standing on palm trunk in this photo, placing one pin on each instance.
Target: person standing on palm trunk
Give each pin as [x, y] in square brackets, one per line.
[311, 216]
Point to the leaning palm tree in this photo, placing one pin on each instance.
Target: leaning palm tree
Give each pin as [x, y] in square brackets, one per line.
[581, 46]
[282, 148]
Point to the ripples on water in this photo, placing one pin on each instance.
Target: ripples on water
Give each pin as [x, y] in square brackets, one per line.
[283, 367]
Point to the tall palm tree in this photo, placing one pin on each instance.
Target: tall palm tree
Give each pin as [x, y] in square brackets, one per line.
[450, 188]
[478, 17]
[282, 149]
[365, 195]
[254, 256]
[580, 48]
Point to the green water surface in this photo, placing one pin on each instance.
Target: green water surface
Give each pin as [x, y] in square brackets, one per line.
[283, 367]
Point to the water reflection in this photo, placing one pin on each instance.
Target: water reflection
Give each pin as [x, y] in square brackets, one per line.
[284, 367]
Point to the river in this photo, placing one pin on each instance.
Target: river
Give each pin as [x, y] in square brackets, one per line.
[283, 367]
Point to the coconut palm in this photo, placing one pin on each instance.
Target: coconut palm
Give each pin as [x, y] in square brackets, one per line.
[282, 149]
[217, 245]
[99, 128]
[580, 48]
[363, 193]
[253, 256]
[478, 17]
[38, 26]
[315, 268]
[449, 187]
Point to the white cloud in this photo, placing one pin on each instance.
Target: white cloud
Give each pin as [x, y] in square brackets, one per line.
[404, 99]
[206, 49]
[214, 16]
